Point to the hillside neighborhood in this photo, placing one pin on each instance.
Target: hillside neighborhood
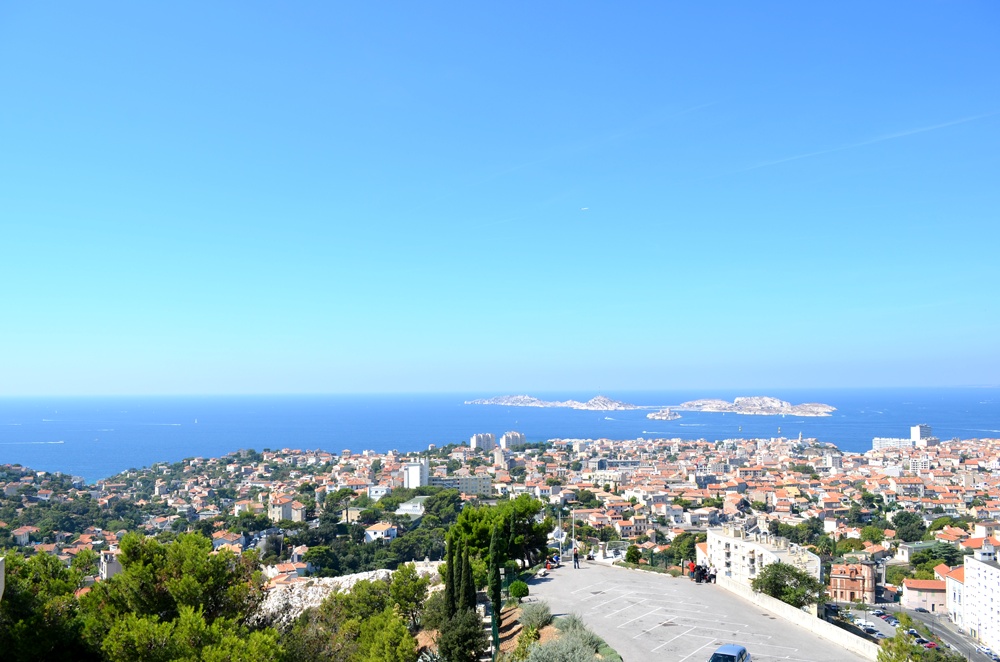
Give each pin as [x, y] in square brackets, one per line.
[912, 522]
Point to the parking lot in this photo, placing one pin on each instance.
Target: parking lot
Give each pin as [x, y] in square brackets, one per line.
[647, 616]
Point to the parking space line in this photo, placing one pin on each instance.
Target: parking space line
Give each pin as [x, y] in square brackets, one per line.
[586, 587]
[607, 602]
[674, 638]
[695, 651]
[638, 617]
[647, 631]
[634, 604]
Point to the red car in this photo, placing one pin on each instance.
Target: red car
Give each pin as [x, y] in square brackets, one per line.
[930, 644]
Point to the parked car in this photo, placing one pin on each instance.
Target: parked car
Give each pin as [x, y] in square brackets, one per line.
[878, 612]
[921, 610]
[869, 630]
[730, 653]
[930, 644]
[913, 632]
[879, 635]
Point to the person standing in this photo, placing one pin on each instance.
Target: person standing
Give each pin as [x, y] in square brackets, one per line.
[576, 558]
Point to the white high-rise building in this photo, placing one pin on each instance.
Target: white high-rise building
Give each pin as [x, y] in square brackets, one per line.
[981, 596]
[512, 440]
[485, 441]
[416, 474]
[918, 432]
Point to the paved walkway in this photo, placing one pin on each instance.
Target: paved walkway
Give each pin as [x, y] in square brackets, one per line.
[648, 616]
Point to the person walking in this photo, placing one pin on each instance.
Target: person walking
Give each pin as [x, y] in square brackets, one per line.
[576, 558]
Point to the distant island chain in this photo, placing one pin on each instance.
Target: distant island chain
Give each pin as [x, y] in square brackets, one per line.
[749, 406]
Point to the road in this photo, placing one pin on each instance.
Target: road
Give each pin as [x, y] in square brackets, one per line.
[945, 629]
[648, 616]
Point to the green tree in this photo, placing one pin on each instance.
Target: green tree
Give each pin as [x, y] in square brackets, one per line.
[158, 580]
[897, 649]
[632, 555]
[789, 584]
[518, 590]
[909, 526]
[462, 638]
[188, 637]
[37, 613]
[450, 577]
[409, 592]
[384, 638]
[85, 562]
[872, 534]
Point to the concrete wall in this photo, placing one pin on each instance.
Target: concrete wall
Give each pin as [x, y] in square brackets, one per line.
[808, 621]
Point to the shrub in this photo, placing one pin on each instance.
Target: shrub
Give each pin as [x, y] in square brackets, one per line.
[536, 615]
[524, 643]
[573, 627]
[519, 590]
[568, 648]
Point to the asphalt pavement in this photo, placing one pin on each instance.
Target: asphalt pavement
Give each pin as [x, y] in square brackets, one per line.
[649, 616]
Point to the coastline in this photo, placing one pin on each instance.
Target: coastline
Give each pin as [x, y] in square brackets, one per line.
[105, 436]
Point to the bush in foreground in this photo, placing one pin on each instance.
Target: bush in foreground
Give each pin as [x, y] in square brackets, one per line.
[536, 615]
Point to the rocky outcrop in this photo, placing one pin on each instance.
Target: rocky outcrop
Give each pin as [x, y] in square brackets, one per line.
[284, 604]
[663, 415]
[758, 406]
[598, 403]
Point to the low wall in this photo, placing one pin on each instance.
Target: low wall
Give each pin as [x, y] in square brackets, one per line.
[815, 625]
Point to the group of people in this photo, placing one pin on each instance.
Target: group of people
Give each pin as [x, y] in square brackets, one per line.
[700, 573]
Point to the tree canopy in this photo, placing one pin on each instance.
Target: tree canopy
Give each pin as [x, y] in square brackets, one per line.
[789, 584]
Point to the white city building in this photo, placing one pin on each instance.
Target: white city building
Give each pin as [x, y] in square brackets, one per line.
[513, 440]
[740, 555]
[981, 596]
[954, 583]
[485, 441]
[416, 474]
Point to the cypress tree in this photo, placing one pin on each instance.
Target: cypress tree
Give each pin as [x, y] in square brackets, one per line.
[494, 575]
[449, 577]
[461, 587]
[469, 583]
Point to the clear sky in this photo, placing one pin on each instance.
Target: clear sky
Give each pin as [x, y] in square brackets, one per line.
[250, 197]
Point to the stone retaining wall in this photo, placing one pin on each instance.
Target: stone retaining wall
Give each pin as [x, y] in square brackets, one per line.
[815, 625]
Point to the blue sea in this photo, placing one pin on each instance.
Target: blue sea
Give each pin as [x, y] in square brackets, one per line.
[97, 437]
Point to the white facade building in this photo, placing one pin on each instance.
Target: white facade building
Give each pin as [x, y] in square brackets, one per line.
[981, 596]
[416, 474]
[484, 441]
[918, 432]
[740, 555]
[954, 597]
[513, 440]
[882, 443]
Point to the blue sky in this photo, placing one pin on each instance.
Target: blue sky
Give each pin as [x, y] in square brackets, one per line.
[395, 197]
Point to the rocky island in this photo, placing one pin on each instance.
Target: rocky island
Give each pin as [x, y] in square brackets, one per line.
[758, 406]
[663, 415]
[599, 403]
